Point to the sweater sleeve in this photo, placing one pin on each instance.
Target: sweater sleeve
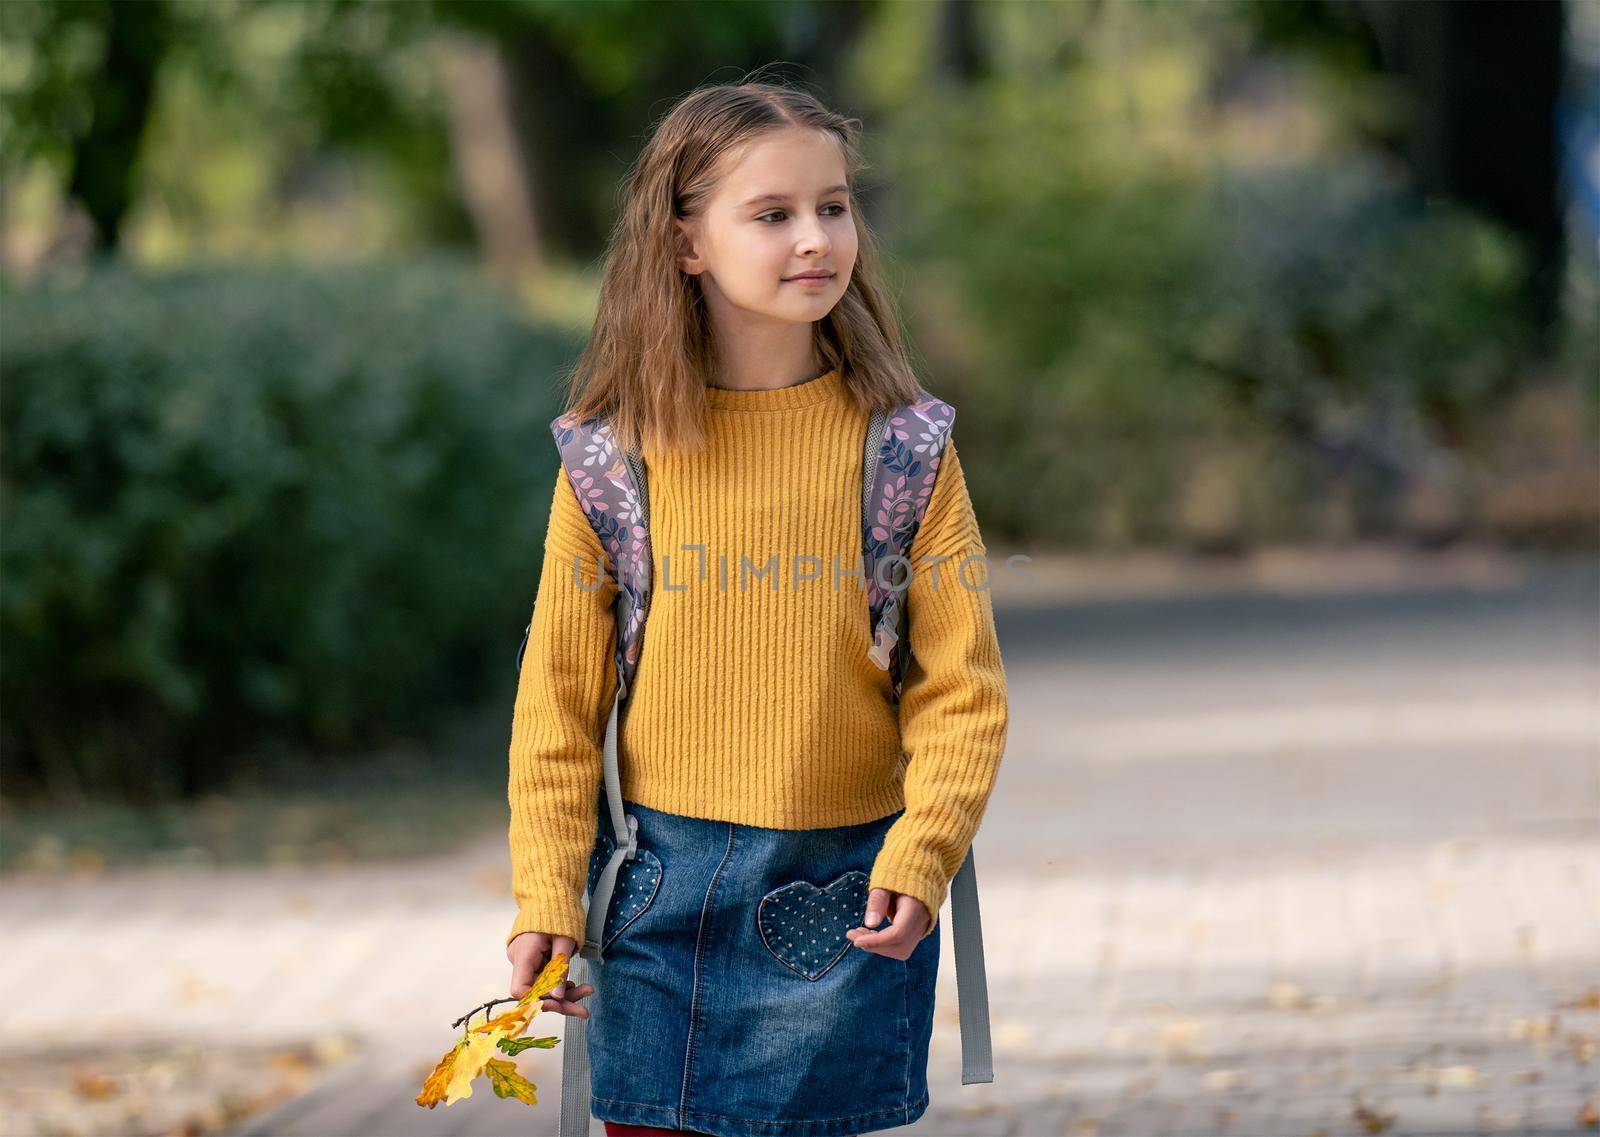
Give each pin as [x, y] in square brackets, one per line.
[564, 694]
[953, 705]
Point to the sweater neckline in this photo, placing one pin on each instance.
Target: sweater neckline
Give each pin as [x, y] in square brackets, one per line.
[803, 394]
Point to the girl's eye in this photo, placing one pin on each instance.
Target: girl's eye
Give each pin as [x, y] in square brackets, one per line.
[833, 205]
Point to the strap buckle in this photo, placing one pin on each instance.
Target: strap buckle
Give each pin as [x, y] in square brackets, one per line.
[887, 633]
[882, 644]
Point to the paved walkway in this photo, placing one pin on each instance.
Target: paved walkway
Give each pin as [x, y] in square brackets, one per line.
[1258, 861]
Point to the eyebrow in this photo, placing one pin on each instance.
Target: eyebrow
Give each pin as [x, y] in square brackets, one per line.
[785, 197]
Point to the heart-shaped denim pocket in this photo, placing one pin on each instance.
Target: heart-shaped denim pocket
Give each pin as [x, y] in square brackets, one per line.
[637, 882]
[804, 926]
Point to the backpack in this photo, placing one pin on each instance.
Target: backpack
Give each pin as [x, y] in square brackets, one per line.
[900, 463]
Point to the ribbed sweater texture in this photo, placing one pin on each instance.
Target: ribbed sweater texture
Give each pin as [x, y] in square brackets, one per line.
[754, 700]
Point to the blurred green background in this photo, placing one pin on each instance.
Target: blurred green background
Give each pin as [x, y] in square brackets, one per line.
[288, 286]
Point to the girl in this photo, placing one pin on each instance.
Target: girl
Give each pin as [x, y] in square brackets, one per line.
[768, 964]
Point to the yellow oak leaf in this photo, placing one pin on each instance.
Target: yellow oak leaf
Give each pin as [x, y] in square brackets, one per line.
[554, 973]
[476, 1051]
[513, 1022]
[433, 1087]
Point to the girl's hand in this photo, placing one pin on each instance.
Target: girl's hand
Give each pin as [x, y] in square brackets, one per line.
[528, 954]
[911, 919]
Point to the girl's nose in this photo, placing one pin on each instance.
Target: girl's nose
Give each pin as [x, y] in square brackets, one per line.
[814, 240]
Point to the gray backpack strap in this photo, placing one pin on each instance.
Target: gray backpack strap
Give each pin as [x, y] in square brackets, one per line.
[900, 465]
[972, 982]
[611, 487]
[576, 1094]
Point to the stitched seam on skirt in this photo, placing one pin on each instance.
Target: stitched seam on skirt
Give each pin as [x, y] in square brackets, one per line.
[762, 1121]
[897, 1111]
[636, 1104]
[905, 1023]
[694, 998]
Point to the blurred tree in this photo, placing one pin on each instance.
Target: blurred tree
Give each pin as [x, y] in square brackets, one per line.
[1486, 78]
[1482, 82]
[583, 81]
[507, 123]
[80, 92]
[137, 36]
[961, 49]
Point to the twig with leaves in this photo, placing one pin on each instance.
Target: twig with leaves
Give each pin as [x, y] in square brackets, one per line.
[451, 1080]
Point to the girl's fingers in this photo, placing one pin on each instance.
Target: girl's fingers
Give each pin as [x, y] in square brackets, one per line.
[895, 941]
[568, 1005]
[877, 941]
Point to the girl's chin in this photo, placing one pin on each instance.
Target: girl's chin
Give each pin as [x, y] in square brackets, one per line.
[810, 297]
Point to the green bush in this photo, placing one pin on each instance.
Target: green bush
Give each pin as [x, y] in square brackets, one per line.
[1369, 329]
[250, 512]
[1048, 264]
[1153, 348]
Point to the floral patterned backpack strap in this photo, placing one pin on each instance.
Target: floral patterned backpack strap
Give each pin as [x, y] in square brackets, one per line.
[899, 468]
[611, 487]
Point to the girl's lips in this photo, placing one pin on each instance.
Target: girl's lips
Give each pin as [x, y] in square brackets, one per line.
[809, 279]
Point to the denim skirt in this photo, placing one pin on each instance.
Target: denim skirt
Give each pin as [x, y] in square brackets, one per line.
[730, 1002]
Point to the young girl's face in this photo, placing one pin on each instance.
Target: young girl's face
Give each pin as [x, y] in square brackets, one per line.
[781, 210]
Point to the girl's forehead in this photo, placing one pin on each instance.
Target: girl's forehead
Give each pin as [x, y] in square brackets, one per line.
[783, 162]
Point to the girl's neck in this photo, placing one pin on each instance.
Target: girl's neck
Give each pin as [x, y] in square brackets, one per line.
[764, 383]
[764, 358]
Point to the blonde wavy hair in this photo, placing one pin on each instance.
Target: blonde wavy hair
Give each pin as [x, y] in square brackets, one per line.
[651, 349]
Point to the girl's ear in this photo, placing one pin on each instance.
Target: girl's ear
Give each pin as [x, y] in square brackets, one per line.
[688, 260]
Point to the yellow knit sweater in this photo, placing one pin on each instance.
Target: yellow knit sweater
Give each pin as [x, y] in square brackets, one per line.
[759, 705]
